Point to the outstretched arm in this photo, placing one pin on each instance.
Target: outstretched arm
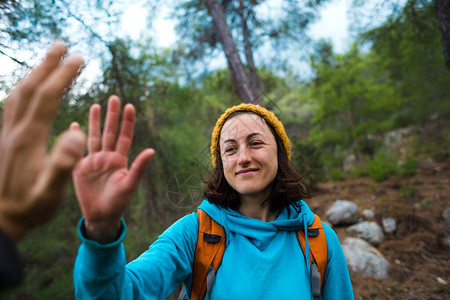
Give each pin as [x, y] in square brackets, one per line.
[103, 182]
[32, 183]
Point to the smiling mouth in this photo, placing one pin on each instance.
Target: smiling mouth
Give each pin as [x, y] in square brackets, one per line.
[246, 172]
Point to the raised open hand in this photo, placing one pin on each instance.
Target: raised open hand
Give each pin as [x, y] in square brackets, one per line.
[103, 183]
[32, 183]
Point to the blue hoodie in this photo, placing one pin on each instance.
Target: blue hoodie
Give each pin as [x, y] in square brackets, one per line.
[263, 260]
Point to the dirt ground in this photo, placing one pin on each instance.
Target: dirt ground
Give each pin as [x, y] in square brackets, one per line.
[420, 262]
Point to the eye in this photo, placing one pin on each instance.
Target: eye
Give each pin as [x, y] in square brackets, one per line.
[255, 143]
[230, 149]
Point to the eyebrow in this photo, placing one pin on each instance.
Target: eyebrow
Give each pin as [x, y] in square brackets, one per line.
[248, 137]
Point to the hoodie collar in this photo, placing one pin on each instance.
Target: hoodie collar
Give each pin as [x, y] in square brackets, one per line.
[260, 233]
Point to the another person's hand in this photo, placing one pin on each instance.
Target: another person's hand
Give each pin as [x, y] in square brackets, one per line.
[32, 183]
[103, 183]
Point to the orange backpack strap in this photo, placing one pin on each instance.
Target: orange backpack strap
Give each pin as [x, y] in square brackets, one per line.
[208, 254]
[318, 248]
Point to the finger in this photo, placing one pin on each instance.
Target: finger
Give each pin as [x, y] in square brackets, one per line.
[126, 132]
[138, 168]
[45, 102]
[94, 142]
[19, 99]
[52, 183]
[74, 126]
[111, 124]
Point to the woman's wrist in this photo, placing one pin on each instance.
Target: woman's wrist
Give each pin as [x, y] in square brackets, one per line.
[104, 232]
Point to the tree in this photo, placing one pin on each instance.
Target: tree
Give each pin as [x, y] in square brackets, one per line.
[353, 98]
[399, 81]
[248, 93]
[443, 11]
[409, 47]
[28, 26]
[393, 9]
[25, 23]
[241, 28]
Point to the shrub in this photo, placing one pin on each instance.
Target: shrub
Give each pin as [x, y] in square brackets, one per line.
[408, 167]
[307, 159]
[409, 192]
[381, 166]
[357, 171]
[336, 174]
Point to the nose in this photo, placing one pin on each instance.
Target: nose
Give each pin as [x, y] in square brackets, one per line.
[244, 156]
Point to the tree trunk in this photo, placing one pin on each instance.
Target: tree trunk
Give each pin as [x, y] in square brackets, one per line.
[443, 11]
[240, 78]
[254, 77]
[355, 139]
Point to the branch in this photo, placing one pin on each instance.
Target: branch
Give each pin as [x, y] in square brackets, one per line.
[95, 34]
[110, 48]
[15, 60]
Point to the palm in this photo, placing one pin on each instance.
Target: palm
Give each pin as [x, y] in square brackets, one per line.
[103, 183]
[100, 185]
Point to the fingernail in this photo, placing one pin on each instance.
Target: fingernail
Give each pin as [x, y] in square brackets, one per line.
[57, 48]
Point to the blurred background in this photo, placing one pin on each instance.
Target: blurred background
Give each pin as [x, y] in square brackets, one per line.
[362, 88]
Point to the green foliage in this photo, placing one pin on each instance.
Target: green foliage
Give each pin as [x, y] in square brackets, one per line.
[306, 158]
[408, 46]
[357, 171]
[336, 174]
[408, 192]
[48, 253]
[332, 160]
[400, 81]
[425, 202]
[419, 180]
[383, 165]
[408, 167]
[354, 100]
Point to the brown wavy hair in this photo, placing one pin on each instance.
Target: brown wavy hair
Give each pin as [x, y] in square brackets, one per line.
[289, 185]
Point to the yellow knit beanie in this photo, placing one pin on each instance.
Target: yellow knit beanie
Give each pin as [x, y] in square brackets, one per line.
[259, 110]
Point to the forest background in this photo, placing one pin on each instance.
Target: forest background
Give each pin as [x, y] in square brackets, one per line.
[393, 76]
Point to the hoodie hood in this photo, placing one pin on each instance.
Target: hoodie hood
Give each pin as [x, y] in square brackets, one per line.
[294, 217]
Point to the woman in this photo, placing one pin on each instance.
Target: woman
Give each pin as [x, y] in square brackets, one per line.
[253, 193]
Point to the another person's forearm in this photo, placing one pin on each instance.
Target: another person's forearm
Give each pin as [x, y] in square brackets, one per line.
[15, 230]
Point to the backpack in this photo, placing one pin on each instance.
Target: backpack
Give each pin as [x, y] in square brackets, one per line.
[211, 247]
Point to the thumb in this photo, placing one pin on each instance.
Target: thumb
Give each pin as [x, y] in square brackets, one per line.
[74, 126]
[138, 167]
[65, 154]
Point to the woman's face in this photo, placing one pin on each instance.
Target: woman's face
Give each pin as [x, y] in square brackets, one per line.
[249, 155]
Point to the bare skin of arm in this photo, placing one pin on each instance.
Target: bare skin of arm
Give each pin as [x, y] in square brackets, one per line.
[103, 182]
[33, 182]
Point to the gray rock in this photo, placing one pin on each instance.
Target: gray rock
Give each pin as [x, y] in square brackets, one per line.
[342, 212]
[395, 138]
[349, 162]
[369, 231]
[446, 214]
[389, 225]
[368, 214]
[364, 259]
[446, 241]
